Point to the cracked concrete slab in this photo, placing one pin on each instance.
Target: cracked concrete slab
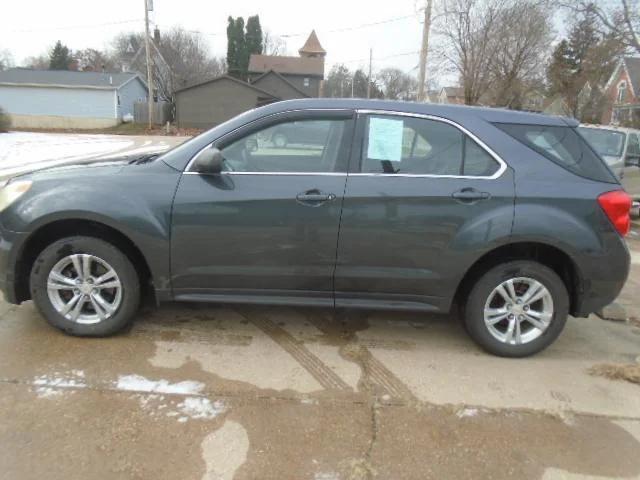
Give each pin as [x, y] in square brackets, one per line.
[208, 391]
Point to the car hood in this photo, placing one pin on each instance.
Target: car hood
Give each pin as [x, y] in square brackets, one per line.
[103, 166]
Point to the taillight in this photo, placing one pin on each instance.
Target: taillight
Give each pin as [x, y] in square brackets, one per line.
[617, 205]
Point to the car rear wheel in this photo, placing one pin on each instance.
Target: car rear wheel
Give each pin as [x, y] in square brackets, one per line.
[517, 309]
[85, 286]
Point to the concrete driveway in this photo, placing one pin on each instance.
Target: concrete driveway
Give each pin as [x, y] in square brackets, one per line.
[222, 392]
[219, 392]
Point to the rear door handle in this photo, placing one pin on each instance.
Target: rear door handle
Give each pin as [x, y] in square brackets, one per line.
[470, 195]
[314, 197]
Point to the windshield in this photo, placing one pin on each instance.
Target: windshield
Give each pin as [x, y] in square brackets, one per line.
[606, 142]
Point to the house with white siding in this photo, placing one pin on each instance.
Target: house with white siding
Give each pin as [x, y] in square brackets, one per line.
[69, 99]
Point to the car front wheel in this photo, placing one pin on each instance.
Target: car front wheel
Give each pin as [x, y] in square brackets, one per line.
[85, 286]
[517, 309]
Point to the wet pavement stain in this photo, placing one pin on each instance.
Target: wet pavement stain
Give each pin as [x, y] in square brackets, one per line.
[329, 432]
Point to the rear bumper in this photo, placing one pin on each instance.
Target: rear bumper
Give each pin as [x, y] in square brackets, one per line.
[602, 276]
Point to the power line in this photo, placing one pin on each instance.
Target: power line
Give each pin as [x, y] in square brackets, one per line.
[394, 55]
[335, 30]
[72, 27]
[356, 27]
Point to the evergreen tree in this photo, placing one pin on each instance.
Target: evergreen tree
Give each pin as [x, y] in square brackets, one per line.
[232, 49]
[237, 53]
[59, 58]
[241, 49]
[561, 69]
[253, 35]
[582, 38]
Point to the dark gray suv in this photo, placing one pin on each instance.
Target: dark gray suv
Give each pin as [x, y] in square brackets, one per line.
[510, 216]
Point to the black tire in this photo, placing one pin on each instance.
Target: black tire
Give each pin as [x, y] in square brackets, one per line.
[126, 272]
[474, 308]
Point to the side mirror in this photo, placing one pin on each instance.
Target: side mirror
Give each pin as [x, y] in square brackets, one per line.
[209, 160]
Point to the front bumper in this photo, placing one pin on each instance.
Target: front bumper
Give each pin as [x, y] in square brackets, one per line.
[11, 244]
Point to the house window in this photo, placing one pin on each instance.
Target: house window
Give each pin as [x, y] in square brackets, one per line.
[306, 81]
[622, 90]
[118, 100]
[615, 117]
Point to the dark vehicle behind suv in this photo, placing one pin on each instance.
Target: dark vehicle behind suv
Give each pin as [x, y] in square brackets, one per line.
[510, 216]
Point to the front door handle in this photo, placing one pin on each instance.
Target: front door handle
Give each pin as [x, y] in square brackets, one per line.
[314, 197]
[470, 195]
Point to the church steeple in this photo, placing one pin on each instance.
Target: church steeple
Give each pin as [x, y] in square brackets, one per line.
[312, 47]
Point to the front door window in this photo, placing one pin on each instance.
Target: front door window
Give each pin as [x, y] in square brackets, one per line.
[306, 146]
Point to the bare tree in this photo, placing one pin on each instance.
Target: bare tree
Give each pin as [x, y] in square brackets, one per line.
[523, 36]
[39, 62]
[469, 31]
[397, 85]
[92, 60]
[180, 58]
[6, 59]
[273, 44]
[619, 18]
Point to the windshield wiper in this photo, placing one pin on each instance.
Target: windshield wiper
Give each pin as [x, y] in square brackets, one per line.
[144, 159]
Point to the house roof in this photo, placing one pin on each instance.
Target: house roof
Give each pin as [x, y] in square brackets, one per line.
[233, 79]
[273, 72]
[633, 69]
[453, 91]
[65, 78]
[312, 45]
[312, 66]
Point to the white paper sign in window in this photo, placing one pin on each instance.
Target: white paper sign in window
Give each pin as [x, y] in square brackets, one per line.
[385, 139]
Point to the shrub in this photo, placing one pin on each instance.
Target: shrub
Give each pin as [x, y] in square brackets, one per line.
[5, 121]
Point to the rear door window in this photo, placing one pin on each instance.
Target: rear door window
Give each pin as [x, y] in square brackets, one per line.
[420, 146]
[563, 146]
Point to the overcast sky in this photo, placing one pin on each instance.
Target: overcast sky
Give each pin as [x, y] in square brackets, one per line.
[30, 27]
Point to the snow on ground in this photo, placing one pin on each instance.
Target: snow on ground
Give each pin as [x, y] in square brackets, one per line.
[26, 151]
[54, 384]
[138, 383]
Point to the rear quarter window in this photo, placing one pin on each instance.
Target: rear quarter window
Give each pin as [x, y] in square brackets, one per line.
[563, 146]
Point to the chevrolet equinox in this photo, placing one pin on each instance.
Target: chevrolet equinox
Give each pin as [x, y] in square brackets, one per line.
[509, 216]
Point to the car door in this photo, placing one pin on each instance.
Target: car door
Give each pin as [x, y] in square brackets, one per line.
[631, 178]
[423, 200]
[266, 228]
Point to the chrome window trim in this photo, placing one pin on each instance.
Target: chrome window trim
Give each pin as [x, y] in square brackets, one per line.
[502, 164]
[330, 174]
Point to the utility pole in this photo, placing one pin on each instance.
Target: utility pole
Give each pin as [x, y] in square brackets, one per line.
[147, 49]
[424, 50]
[369, 79]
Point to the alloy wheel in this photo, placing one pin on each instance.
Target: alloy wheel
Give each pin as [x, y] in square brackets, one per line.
[84, 288]
[518, 311]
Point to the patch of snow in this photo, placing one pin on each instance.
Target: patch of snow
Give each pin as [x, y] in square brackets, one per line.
[200, 408]
[47, 392]
[26, 151]
[138, 383]
[53, 384]
[19, 149]
[467, 412]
